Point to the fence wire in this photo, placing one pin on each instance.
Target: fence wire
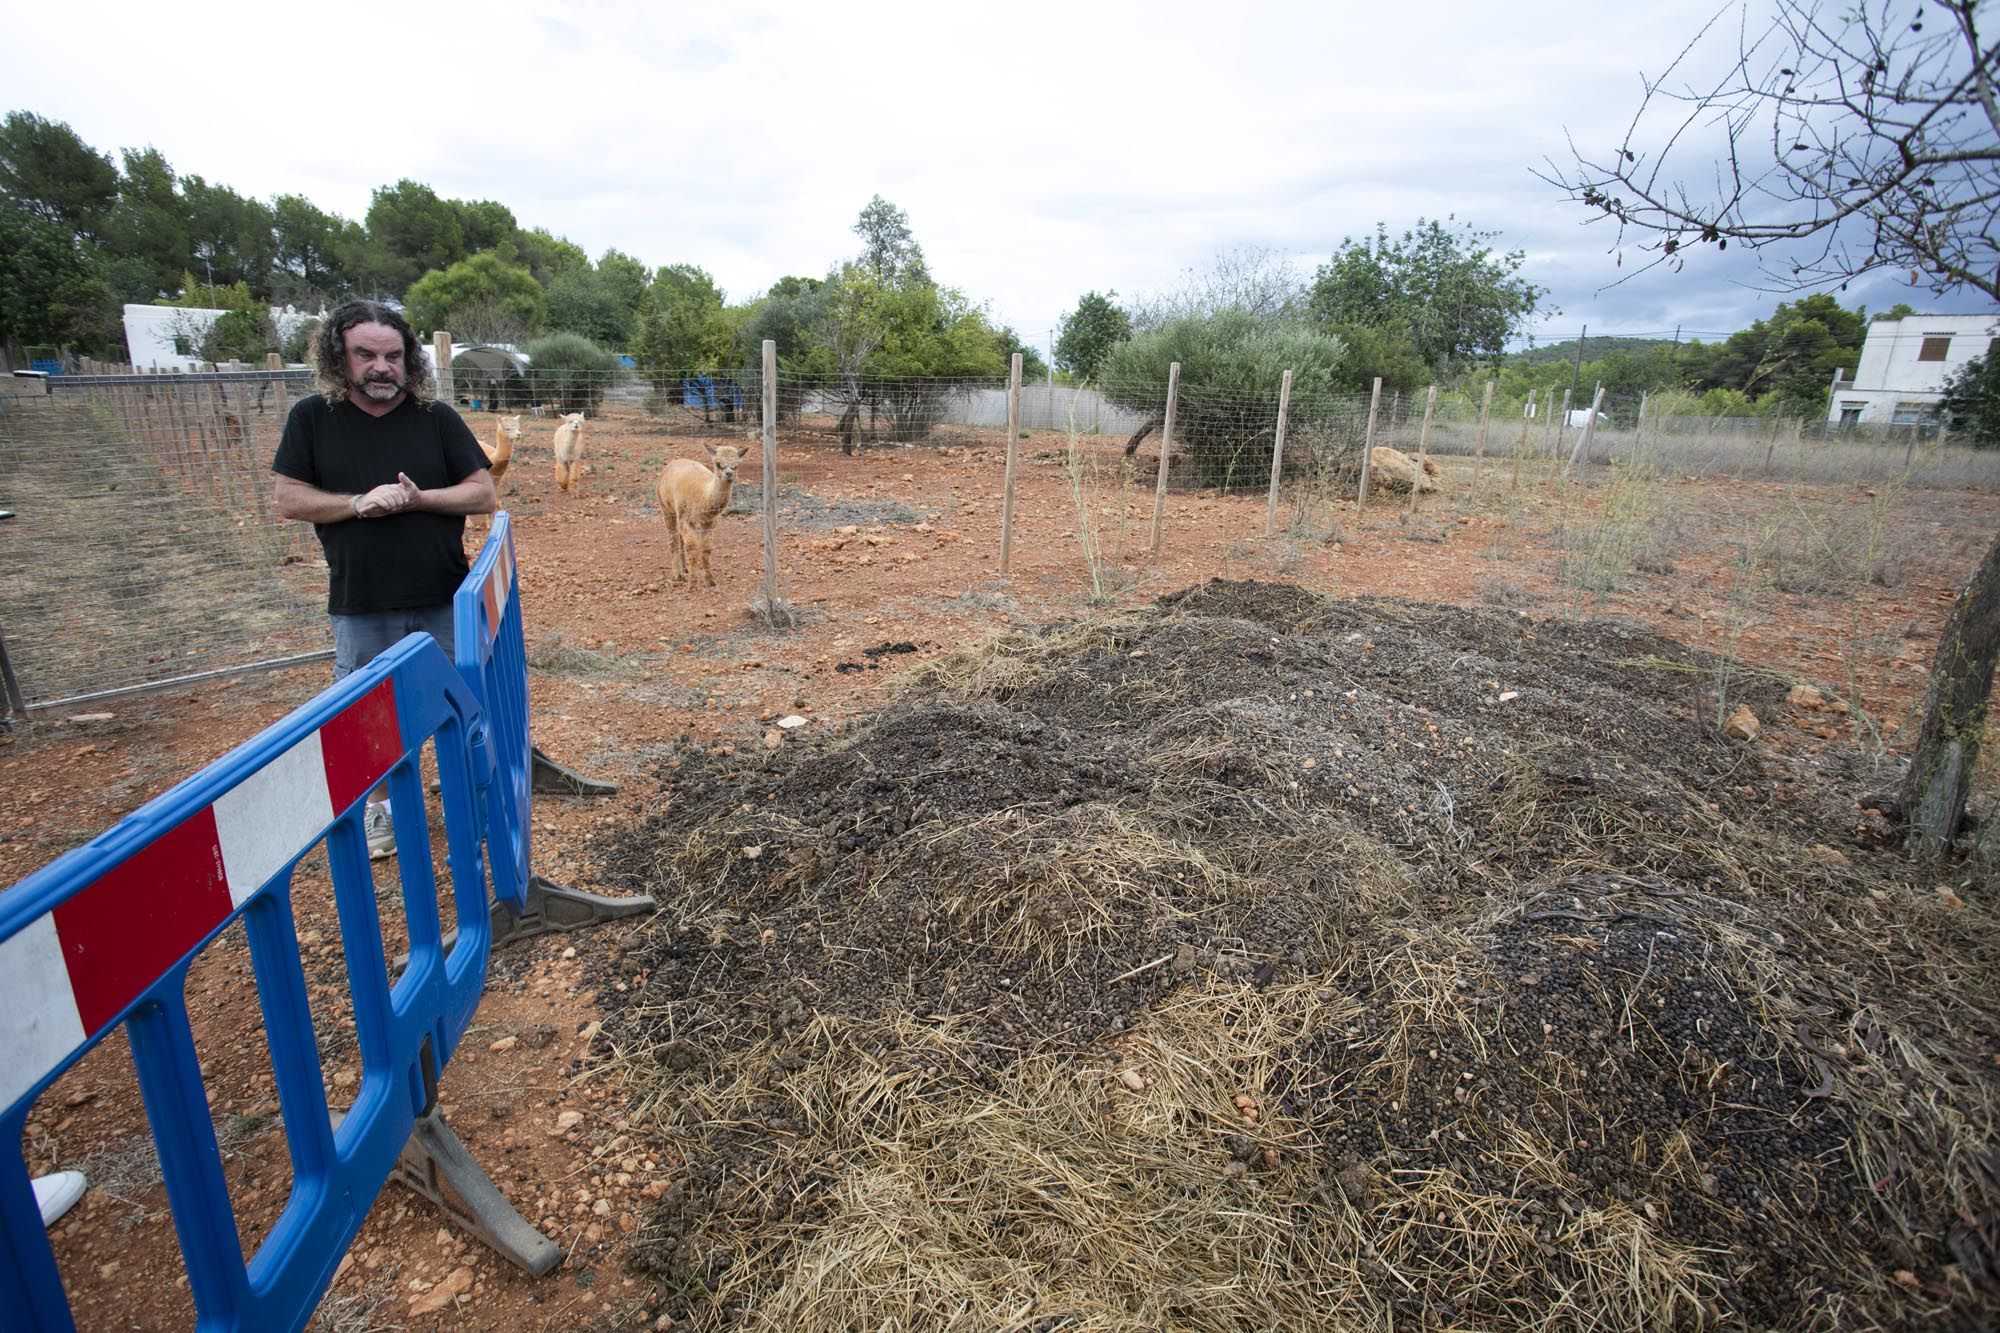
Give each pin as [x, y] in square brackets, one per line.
[144, 546]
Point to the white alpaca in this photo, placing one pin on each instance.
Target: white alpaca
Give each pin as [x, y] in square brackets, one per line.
[569, 451]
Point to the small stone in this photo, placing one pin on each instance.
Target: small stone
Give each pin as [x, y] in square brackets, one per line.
[1805, 696]
[1132, 1079]
[1742, 725]
[791, 722]
[454, 1285]
[569, 952]
[567, 1121]
[1508, 696]
[504, 1044]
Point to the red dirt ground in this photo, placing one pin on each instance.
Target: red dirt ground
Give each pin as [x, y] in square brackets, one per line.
[896, 545]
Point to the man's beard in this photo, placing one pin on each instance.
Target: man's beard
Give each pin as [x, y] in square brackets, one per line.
[382, 388]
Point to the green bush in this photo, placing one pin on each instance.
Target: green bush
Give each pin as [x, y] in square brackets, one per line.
[1972, 401]
[1231, 367]
[569, 372]
[296, 343]
[240, 335]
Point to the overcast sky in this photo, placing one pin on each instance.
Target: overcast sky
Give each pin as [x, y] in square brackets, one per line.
[1039, 151]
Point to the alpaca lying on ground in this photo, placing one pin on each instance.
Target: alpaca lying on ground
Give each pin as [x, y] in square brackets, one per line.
[1394, 470]
[569, 451]
[506, 431]
[691, 496]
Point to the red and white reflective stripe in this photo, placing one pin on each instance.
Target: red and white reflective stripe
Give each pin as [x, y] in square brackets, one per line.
[67, 976]
[497, 585]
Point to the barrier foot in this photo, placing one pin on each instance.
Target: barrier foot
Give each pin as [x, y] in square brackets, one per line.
[436, 1165]
[552, 907]
[552, 779]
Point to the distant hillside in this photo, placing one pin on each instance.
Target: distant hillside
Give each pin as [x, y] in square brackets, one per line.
[1593, 349]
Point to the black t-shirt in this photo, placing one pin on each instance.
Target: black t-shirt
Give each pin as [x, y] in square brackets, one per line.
[401, 560]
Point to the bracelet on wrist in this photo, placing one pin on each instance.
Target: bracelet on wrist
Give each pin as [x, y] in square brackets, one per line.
[354, 505]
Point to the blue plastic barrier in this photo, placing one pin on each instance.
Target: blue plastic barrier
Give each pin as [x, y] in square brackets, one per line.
[492, 656]
[489, 646]
[105, 936]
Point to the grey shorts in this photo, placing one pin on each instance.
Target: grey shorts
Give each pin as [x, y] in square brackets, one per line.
[359, 640]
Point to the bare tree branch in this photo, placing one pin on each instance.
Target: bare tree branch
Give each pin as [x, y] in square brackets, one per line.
[1865, 131]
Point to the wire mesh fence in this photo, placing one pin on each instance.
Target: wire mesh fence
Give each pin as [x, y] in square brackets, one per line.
[144, 547]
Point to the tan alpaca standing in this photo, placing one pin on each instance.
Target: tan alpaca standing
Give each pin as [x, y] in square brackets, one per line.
[569, 451]
[691, 496]
[506, 431]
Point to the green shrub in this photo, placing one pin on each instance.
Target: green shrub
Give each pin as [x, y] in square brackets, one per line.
[240, 335]
[569, 372]
[297, 342]
[1231, 367]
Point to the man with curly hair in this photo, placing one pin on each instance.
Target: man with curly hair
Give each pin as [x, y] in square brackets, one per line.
[386, 475]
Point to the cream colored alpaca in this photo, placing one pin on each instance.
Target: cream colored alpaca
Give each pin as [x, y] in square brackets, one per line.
[569, 451]
[691, 496]
[506, 430]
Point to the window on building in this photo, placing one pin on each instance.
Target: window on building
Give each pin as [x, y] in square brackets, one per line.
[1934, 348]
[1850, 414]
[1912, 414]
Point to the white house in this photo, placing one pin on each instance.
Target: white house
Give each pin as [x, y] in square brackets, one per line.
[1904, 364]
[154, 334]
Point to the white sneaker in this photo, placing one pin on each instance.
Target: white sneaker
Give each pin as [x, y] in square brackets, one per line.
[381, 833]
[57, 1193]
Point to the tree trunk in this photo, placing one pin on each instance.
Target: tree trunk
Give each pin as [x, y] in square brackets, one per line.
[1139, 436]
[1941, 767]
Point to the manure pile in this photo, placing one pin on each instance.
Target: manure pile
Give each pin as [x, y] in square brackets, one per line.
[1267, 961]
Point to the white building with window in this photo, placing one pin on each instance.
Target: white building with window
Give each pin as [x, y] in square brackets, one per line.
[1904, 364]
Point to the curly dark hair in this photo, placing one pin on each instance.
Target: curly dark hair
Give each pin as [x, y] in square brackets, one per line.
[328, 351]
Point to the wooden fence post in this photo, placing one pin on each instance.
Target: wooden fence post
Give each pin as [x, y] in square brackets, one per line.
[1368, 444]
[770, 477]
[1013, 453]
[1278, 453]
[1423, 446]
[1485, 411]
[1582, 449]
[1521, 448]
[441, 354]
[1559, 424]
[1166, 450]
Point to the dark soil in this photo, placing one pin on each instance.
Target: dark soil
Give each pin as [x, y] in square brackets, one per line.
[1602, 961]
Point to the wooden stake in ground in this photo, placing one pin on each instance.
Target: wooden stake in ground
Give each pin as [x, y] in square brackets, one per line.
[1582, 449]
[441, 354]
[1368, 444]
[1278, 453]
[1521, 448]
[1013, 454]
[771, 475]
[1485, 411]
[1772, 447]
[1558, 425]
[1423, 446]
[1166, 450]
